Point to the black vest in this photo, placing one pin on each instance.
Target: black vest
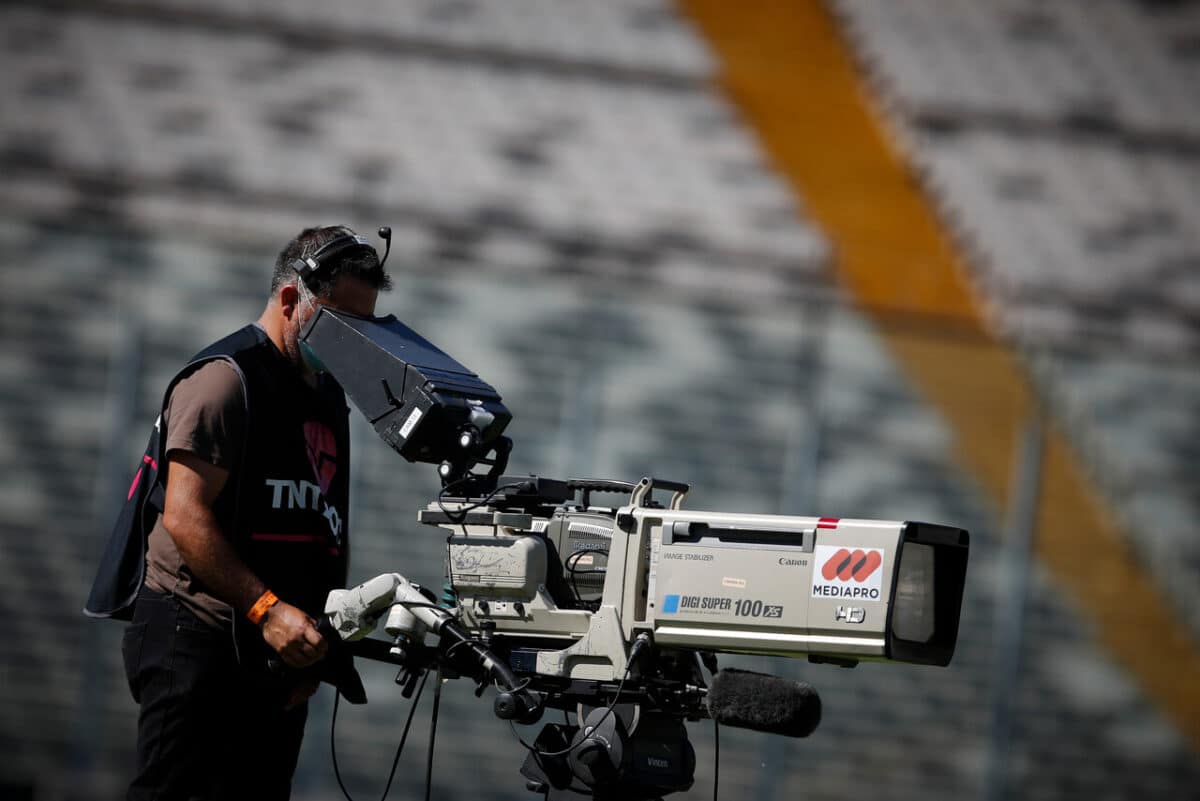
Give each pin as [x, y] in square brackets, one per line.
[285, 505]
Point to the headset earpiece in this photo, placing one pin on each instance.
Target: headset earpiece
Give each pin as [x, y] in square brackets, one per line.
[333, 249]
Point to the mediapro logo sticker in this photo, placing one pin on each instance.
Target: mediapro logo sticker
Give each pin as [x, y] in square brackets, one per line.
[841, 572]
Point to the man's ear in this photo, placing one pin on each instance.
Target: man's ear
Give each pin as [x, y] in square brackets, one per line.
[289, 300]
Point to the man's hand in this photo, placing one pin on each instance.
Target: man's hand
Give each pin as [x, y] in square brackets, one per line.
[294, 635]
[192, 488]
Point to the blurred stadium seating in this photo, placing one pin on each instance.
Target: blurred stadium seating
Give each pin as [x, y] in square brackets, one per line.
[1062, 143]
[585, 220]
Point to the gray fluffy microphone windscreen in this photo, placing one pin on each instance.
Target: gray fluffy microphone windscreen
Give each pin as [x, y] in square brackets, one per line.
[763, 703]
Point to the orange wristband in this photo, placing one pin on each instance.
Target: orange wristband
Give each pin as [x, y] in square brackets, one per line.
[264, 602]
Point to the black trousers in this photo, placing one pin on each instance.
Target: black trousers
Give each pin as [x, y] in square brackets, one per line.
[207, 727]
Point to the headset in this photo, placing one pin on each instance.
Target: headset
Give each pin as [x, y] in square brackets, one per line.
[328, 253]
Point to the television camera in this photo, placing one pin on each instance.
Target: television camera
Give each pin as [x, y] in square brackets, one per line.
[607, 599]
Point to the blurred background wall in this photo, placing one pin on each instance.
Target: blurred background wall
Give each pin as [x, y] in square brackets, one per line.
[931, 259]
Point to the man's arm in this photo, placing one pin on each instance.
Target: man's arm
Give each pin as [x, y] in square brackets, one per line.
[192, 486]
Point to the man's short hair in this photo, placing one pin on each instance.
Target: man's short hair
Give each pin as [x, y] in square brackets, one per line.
[361, 263]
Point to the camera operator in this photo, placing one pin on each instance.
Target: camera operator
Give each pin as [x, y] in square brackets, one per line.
[253, 445]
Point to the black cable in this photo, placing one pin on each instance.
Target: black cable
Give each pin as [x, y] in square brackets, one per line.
[524, 684]
[573, 571]
[437, 698]
[446, 512]
[570, 748]
[422, 605]
[616, 697]
[459, 644]
[450, 568]
[459, 516]
[716, 756]
[399, 749]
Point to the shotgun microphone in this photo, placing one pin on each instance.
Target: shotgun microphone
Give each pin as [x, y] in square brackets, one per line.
[760, 702]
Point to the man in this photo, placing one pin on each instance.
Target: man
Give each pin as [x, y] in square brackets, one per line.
[247, 534]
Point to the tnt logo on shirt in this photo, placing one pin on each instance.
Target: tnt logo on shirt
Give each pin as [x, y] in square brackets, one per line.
[847, 572]
[321, 447]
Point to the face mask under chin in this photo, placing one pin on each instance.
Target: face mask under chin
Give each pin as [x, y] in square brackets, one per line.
[310, 359]
[307, 355]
